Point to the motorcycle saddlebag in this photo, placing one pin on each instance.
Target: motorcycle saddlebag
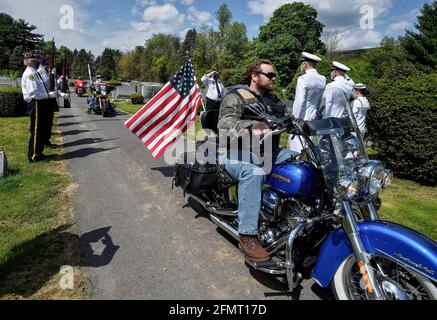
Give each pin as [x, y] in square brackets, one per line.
[194, 177]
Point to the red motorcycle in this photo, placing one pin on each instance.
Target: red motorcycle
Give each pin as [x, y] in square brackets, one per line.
[80, 87]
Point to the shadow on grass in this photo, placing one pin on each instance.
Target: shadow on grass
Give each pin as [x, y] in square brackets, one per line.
[33, 263]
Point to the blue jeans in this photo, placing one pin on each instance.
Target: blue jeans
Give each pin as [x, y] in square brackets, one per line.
[251, 178]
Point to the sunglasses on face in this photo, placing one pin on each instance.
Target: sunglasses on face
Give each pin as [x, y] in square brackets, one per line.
[270, 75]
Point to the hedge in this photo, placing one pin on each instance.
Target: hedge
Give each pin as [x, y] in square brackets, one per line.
[403, 126]
[137, 98]
[11, 102]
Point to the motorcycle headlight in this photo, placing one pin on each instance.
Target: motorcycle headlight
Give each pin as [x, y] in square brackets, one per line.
[348, 187]
[372, 176]
[388, 178]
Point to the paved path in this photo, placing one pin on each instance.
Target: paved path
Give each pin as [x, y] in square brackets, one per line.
[140, 238]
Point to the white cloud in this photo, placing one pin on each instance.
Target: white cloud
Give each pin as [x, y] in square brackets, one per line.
[187, 2]
[400, 25]
[165, 13]
[200, 17]
[339, 16]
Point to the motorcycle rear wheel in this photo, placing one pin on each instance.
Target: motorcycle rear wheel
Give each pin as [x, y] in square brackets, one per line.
[407, 284]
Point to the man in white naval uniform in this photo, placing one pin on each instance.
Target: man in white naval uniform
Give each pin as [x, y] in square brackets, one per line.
[360, 107]
[309, 91]
[338, 92]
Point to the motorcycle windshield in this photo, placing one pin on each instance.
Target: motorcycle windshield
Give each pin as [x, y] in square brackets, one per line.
[338, 147]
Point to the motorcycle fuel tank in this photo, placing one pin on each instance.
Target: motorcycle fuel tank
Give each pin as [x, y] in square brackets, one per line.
[298, 179]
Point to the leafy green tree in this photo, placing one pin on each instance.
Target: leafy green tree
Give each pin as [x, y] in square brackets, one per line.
[106, 63]
[422, 46]
[224, 18]
[79, 66]
[292, 29]
[164, 57]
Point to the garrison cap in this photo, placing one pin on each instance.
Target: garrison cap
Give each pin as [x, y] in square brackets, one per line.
[360, 86]
[339, 66]
[310, 57]
[31, 55]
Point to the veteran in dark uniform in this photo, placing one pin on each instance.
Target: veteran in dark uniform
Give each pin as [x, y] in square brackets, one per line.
[52, 105]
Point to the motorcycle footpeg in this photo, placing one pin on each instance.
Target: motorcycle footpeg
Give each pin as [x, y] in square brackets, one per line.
[266, 264]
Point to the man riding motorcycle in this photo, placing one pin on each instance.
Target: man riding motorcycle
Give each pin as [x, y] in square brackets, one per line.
[256, 90]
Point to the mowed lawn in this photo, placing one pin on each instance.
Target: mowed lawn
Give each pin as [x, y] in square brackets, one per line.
[37, 235]
[406, 202]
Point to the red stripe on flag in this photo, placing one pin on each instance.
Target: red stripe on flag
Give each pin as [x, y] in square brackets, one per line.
[168, 145]
[193, 105]
[171, 123]
[157, 109]
[158, 96]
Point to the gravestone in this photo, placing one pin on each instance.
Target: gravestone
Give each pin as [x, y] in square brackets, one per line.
[3, 165]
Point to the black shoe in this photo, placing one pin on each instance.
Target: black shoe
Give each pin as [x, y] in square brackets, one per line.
[50, 145]
[39, 158]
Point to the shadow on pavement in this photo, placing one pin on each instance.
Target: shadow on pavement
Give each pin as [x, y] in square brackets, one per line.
[81, 153]
[32, 264]
[167, 172]
[74, 132]
[86, 141]
[68, 124]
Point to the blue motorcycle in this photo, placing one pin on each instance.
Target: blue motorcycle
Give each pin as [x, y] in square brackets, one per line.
[319, 216]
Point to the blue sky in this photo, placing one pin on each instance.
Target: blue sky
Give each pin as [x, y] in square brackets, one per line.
[124, 24]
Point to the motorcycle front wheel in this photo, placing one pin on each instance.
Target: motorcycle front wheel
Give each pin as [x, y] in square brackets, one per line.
[395, 280]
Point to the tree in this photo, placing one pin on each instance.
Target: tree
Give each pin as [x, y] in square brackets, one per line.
[332, 43]
[422, 46]
[79, 66]
[224, 18]
[189, 44]
[16, 59]
[106, 63]
[292, 29]
[15, 33]
[164, 57]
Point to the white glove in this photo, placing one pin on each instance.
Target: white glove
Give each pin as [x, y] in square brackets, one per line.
[62, 94]
[53, 94]
[54, 71]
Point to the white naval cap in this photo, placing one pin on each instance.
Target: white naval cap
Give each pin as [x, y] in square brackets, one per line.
[340, 66]
[360, 86]
[310, 57]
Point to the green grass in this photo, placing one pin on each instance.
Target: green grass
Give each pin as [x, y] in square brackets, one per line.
[36, 236]
[412, 205]
[128, 107]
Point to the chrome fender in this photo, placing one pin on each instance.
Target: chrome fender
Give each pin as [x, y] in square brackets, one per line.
[395, 241]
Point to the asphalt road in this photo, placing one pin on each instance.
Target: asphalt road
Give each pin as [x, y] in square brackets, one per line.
[140, 238]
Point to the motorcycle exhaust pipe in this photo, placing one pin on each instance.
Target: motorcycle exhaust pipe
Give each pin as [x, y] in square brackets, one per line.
[226, 227]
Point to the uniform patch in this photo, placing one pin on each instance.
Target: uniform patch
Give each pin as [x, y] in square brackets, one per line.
[31, 77]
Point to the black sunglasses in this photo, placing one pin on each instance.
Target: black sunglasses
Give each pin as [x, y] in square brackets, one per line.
[269, 75]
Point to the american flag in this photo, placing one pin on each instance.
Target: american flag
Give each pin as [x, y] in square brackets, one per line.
[169, 114]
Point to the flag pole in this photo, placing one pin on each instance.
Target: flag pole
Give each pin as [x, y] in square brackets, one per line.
[187, 57]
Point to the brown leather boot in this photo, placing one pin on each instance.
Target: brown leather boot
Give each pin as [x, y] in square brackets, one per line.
[252, 249]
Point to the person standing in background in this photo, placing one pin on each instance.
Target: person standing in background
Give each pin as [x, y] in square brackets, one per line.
[309, 92]
[360, 106]
[215, 90]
